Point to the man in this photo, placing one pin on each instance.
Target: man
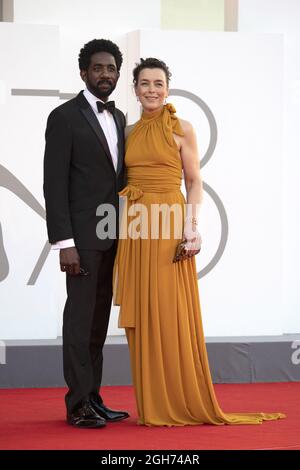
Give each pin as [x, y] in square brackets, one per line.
[83, 168]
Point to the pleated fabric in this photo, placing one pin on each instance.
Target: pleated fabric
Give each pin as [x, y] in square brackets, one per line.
[158, 299]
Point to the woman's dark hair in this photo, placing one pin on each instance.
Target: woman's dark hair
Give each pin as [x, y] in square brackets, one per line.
[99, 45]
[150, 63]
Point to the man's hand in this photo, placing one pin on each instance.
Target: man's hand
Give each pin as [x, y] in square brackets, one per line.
[69, 261]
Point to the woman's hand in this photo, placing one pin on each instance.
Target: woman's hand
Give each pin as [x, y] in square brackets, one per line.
[192, 236]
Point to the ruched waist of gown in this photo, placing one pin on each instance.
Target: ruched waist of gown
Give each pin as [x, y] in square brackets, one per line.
[151, 182]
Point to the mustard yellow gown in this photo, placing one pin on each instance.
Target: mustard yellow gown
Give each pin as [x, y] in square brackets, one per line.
[159, 299]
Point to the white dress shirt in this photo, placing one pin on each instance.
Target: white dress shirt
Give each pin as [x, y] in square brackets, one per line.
[109, 128]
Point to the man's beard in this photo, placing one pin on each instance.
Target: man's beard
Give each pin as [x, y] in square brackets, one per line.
[100, 93]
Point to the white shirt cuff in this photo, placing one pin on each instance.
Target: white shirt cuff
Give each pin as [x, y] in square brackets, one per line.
[63, 244]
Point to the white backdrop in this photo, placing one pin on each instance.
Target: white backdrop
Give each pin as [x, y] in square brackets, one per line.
[30, 60]
[278, 16]
[239, 76]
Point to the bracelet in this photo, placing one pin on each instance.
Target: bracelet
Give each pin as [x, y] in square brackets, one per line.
[193, 220]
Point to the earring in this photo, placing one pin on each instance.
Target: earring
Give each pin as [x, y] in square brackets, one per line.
[137, 98]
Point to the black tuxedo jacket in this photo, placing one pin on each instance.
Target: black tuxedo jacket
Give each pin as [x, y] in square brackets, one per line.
[79, 174]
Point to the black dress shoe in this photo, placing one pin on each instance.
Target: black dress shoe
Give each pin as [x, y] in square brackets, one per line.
[108, 414]
[85, 417]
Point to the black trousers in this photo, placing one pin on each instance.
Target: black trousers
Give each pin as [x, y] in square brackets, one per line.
[85, 324]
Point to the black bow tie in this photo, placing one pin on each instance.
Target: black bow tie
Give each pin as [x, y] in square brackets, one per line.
[109, 106]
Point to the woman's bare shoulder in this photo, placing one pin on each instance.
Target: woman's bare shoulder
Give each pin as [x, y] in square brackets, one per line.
[186, 126]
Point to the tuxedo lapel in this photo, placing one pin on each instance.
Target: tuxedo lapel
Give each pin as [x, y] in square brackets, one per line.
[120, 143]
[89, 115]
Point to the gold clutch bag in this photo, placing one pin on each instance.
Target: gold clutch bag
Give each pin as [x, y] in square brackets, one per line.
[182, 252]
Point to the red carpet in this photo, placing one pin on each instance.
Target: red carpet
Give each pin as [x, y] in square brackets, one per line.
[34, 419]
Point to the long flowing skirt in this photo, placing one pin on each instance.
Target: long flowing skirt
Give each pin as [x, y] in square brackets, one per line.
[160, 310]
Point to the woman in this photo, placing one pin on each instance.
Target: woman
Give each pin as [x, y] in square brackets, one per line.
[159, 300]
